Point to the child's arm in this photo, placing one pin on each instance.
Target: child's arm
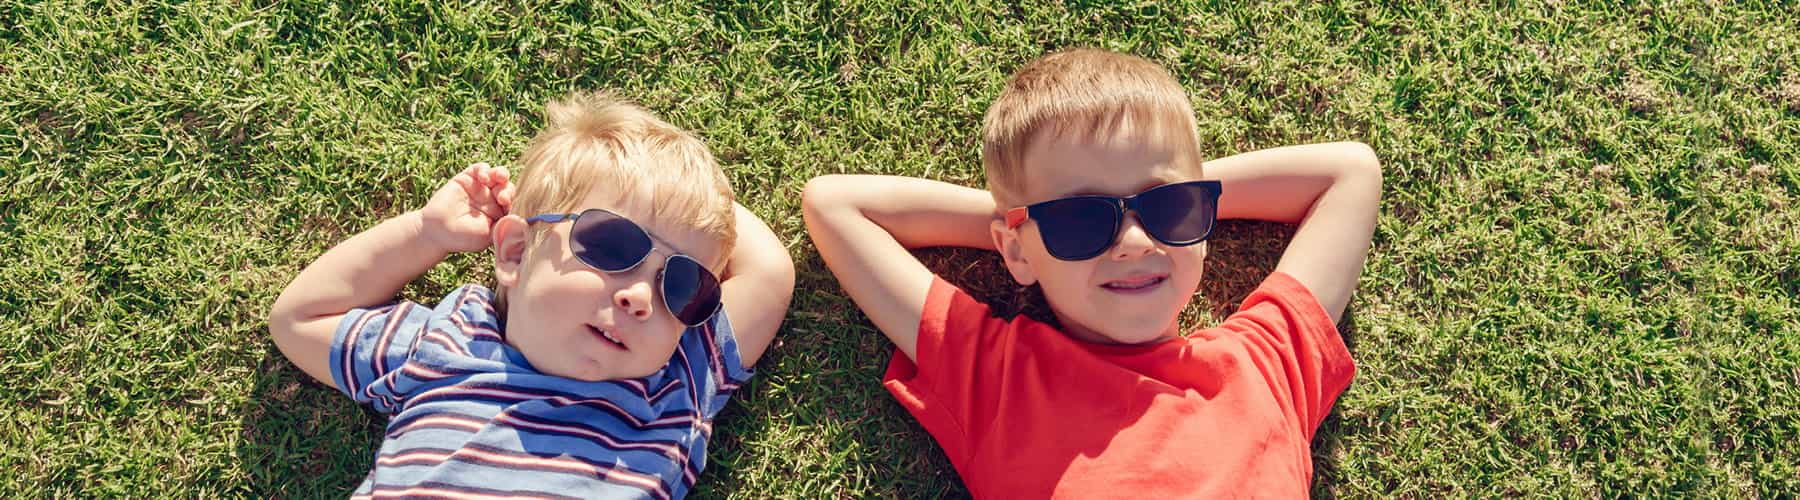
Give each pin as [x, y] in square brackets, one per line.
[863, 226]
[371, 267]
[757, 285]
[1332, 191]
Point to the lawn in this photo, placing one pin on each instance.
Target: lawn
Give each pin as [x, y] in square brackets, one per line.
[1583, 282]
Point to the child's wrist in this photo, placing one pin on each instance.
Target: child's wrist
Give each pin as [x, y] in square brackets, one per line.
[421, 234]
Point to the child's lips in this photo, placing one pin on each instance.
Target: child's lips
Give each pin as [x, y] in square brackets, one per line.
[1136, 284]
[607, 337]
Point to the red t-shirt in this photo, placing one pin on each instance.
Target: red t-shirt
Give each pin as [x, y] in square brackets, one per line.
[1024, 411]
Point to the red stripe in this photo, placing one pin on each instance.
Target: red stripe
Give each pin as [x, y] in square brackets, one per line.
[505, 459]
[713, 353]
[447, 491]
[349, 354]
[473, 424]
[517, 396]
[387, 333]
[442, 338]
[475, 331]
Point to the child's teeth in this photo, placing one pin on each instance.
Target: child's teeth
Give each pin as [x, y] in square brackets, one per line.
[1134, 283]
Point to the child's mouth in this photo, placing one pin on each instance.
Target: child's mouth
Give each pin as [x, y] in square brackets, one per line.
[607, 336]
[1137, 285]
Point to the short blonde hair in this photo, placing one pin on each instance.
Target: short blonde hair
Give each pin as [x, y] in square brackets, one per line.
[596, 139]
[1081, 93]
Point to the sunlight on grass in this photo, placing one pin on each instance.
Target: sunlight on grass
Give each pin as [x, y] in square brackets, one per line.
[1583, 282]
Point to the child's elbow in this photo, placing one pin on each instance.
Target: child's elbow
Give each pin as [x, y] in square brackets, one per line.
[1363, 162]
[825, 193]
[1364, 166]
[287, 316]
[281, 318]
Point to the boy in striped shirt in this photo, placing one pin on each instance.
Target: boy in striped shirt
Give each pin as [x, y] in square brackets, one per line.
[632, 297]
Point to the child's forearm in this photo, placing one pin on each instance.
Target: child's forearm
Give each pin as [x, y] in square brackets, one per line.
[757, 284]
[369, 268]
[922, 213]
[1283, 184]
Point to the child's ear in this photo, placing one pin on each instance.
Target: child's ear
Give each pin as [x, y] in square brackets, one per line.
[510, 236]
[1007, 242]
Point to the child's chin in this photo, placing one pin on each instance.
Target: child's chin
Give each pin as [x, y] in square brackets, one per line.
[1142, 333]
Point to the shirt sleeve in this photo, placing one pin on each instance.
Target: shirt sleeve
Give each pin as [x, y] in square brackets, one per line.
[369, 344]
[1283, 320]
[939, 388]
[719, 344]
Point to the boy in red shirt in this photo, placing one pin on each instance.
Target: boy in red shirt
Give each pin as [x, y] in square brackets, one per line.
[1097, 193]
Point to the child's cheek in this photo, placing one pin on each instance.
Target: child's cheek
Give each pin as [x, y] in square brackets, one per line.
[653, 358]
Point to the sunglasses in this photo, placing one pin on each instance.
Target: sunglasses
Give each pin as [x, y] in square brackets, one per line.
[1082, 227]
[611, 243]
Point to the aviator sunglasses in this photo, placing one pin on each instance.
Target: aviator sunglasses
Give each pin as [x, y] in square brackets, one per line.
[611, 243]
[1082, 227]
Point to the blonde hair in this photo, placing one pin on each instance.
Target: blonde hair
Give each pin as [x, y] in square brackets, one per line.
[1083, 93]
[594, 139]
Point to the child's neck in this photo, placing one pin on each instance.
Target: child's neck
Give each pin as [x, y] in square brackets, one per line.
[1082, 333]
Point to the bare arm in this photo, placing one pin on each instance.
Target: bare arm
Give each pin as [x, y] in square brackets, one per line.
[863, 226]
[1333, 191]
[757, 285]
[372, 266]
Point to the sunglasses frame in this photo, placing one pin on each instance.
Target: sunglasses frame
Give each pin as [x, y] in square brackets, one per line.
[661, 282]
[1016, 216]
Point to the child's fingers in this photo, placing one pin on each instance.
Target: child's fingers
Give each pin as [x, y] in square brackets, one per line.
[491, 208]
[486, 200]
[500, 190]
[505, 197]
[466, 182]
[476, 173]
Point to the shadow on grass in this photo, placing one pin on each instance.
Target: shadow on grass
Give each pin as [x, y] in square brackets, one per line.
[301, 438]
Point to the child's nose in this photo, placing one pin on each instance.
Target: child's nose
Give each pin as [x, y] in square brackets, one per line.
[1133, 241]
[635, 300]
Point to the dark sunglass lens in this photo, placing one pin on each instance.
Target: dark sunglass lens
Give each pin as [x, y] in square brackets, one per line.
[1077, 228]
[689, 290]
[607, 241]
[1178, 214]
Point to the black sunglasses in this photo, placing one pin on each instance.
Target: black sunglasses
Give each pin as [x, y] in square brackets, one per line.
[611, 243]
[1082, 227]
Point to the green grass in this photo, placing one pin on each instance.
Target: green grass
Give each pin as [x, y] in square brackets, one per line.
[1583, 282]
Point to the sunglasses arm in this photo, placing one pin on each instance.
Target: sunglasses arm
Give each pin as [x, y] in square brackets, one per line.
[1015, 216]
[550, 218]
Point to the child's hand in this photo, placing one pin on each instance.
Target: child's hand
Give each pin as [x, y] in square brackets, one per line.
[461, 214]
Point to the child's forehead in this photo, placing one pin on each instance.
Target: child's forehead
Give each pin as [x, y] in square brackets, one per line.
[1114, 170]
[1116, 158]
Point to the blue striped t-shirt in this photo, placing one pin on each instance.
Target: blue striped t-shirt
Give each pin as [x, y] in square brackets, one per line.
[471, 417]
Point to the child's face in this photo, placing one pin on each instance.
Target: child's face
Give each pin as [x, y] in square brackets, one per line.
[561, 311]
[1135, 290]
